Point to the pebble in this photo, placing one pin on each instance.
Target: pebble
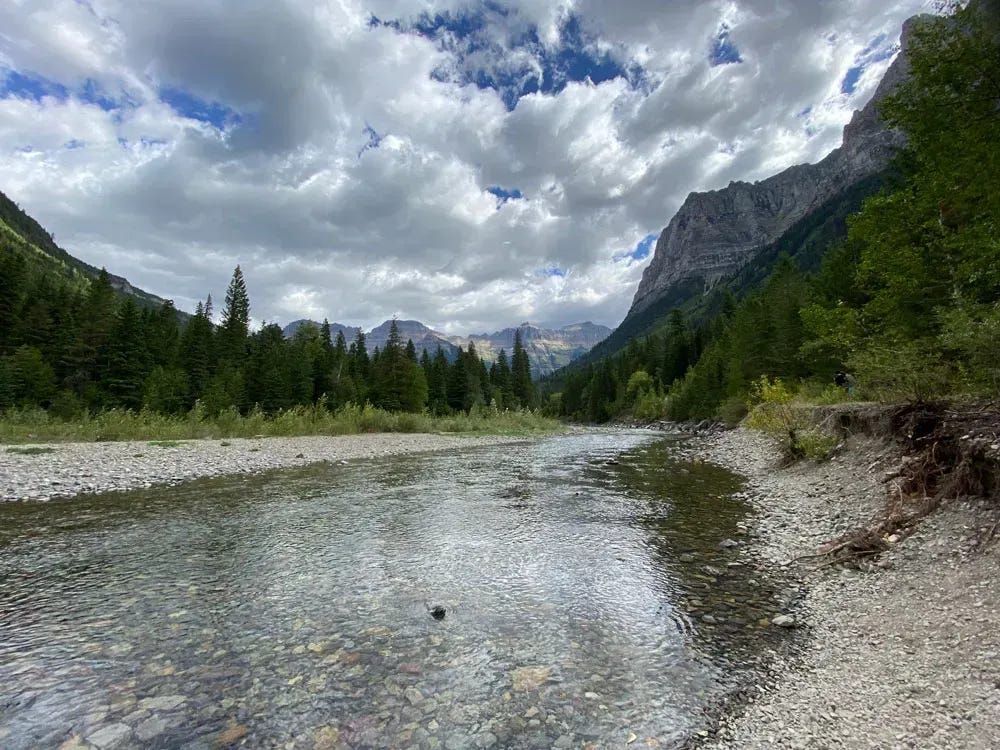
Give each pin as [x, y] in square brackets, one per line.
[110, 737]
[150, 728]
[162, 703]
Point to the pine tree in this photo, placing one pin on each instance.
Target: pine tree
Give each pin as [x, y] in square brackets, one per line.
[343, 389]
[235, 326]
[437, 383]
[97, 318]
[360, 366]
[456, 383]
[503, 381]
[524, 388]
[128, 358]
[268, 371]
[12, 278]
[323, 363]
[196, 352]
[397, 382]
[164, 336]
[676, 349]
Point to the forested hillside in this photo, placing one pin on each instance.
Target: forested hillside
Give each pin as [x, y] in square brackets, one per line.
[71, 344]
[908, 305]
[23, 237]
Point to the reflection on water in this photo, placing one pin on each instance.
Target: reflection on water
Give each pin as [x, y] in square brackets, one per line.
[587, 597]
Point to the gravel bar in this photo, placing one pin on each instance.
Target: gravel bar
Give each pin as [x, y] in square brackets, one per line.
[903, 654]
[61, 470]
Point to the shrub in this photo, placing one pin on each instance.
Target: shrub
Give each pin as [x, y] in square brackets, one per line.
[772, 411]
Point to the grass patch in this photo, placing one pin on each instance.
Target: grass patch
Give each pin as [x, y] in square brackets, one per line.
[35, 425]
[33, 450]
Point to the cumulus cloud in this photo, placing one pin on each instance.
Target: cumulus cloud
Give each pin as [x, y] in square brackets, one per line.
[468, 165]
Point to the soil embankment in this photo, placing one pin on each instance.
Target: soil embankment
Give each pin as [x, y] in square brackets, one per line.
[902, 649]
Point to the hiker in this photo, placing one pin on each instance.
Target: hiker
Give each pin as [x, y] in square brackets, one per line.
[845, 380]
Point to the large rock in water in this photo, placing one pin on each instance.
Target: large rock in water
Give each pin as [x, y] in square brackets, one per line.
[716, 233]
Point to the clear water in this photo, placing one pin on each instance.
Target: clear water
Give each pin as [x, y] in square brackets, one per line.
[291, 610]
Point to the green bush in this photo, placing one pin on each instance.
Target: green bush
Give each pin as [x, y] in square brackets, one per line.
[892, 370]
[772, 411]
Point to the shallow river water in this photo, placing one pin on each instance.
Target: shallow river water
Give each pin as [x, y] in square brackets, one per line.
[588, 598]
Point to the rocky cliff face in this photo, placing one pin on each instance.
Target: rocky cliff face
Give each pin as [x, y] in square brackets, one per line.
[350, 332]
[423, 338]
[548, 349]
[716, 233]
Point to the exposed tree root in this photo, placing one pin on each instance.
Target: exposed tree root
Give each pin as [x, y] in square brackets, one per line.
[948, 454]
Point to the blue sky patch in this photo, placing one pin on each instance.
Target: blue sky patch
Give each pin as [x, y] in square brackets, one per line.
[91, 93]
[188, 105]
[850, 82]
[502, 195]
[724, 52]
[552, 271]
[471, 36]
[36, 88]
[640, 252]
[28, 86]
[876, 52]
[374, 139]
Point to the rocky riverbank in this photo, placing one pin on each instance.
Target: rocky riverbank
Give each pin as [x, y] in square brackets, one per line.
[61, 470]
[902, 654]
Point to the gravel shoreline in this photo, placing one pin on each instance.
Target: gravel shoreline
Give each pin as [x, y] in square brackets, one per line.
[64, 470]
[903, 655]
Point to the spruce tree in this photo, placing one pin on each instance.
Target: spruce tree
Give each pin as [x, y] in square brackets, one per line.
[12, 277]
[437, 383]
[235, 326]
[196, 352]
[524, 388]
[128, 358]
[268, 371]
[397, 381]
[676, 350]
[97, 318]
[323, 363]
[360, 366]
[504, 382]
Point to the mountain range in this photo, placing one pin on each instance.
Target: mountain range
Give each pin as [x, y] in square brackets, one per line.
[548, 349]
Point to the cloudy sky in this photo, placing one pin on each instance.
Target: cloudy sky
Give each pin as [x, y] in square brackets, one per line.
[468, 164]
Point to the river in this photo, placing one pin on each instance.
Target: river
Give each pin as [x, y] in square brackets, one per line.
[595, 585]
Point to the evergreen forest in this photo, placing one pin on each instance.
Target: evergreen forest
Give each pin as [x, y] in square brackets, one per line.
[72, 345]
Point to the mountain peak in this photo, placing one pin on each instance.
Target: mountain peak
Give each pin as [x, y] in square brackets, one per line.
[717, 232]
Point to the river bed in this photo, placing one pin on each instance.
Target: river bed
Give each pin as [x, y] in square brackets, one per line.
[596, 590]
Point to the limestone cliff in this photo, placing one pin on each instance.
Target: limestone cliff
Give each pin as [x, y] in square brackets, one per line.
[547, 349]
[716, 233]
